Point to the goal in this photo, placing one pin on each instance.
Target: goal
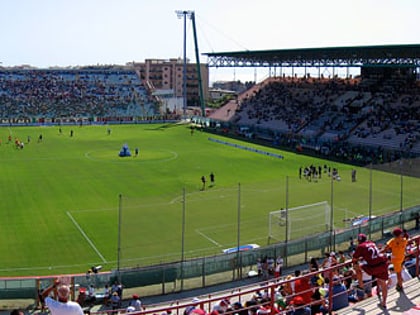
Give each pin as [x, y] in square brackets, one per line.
[301, 221]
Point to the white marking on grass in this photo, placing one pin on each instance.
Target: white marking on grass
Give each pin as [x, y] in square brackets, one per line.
[209, 238]
[210, 193]
[86, 237]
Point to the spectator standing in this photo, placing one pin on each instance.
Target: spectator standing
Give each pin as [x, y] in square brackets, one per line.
[375, 264]
[303, 287]
[352, 247]
[107, 294]
[397, 246]
[62, 306]
[259, 267]
[279, 267]
[91, 294]
[115, 301]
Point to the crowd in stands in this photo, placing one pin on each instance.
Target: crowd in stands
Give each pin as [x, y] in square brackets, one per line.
[308, 290]
[325, 284]
[346, 118]
[31, 94]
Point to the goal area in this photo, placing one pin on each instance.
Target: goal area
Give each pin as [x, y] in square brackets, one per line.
[299, 221]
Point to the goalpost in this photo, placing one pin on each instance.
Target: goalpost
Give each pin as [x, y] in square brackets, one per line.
[301, 221]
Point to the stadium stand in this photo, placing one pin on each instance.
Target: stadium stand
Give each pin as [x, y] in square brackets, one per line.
[61, 94]
[345, 118]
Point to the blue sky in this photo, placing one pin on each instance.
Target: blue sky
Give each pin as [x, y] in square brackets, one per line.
[46, 33]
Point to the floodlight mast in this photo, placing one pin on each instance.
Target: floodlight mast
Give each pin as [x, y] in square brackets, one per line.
[191, 15]
[184, 14]
[197, 58]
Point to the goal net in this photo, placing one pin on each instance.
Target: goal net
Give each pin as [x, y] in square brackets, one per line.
[299, 221]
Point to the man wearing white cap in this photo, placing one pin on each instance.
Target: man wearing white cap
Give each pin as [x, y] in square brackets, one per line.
[61, 306]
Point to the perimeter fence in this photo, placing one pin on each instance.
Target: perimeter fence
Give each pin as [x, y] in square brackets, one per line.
[206, 271]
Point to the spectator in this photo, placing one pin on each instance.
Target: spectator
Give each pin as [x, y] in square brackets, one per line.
[279, 267]
[313, 264]
[318, 301]
[393, 278]
[339, 292]
[222, 306]
[298, 307]
[135, 304]
[62, 306]
[107, 294]
[303, 287]
[397, 245]
[189, 309]
[375, 264]
[115, 301]
[91, 294]
[410, 264]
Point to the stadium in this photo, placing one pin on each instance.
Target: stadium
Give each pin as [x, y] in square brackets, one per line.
[95, 161]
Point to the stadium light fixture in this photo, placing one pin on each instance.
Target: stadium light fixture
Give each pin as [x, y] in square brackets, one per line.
[184, 14]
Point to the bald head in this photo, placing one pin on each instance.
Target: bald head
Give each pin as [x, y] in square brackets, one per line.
[63, 292]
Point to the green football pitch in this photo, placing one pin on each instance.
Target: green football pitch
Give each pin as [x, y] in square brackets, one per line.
[70, 202]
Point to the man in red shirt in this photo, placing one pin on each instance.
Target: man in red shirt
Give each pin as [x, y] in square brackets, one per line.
[303, 287]
[375, 264]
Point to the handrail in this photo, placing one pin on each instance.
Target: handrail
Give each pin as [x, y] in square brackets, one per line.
[177, 307]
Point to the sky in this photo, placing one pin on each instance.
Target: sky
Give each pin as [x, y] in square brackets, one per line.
[47, 33]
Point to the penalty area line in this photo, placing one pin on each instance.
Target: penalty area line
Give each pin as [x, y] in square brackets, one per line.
[208, 238]
[86, 237]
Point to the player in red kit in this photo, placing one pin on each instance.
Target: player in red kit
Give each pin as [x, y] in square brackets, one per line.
[375, 264]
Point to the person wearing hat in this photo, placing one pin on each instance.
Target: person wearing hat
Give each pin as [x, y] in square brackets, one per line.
[61, 306]
[115, 301]
[135, 303]
[375, 264]
[195, 303]
[222, 307]
[397, 246]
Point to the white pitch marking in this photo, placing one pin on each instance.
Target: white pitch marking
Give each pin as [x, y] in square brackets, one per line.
[86, 237]
[209, 238]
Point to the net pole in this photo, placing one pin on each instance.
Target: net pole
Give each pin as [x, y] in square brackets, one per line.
[401, 194]
[239, 231]
[332, 214]
[370, 200]
[183, 239]
[287, 218]
[119, 236]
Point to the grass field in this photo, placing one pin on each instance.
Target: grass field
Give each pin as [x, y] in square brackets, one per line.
[60, 197]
